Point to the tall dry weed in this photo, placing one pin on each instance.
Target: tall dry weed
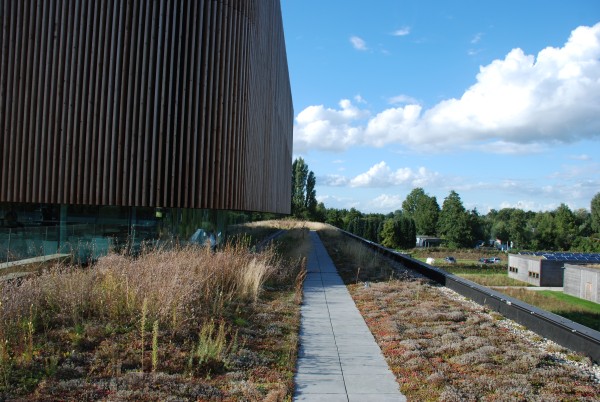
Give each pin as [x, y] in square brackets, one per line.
[180, 286]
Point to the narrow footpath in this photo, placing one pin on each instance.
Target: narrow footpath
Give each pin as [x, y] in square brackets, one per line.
[338, 358]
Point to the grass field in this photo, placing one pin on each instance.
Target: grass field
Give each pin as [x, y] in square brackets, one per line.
[485, 275]
[575, 309]
[492, 279]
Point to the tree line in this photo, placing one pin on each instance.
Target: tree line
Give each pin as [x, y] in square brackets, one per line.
[559, 230]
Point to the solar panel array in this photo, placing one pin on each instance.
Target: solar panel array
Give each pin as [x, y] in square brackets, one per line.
[592, 258]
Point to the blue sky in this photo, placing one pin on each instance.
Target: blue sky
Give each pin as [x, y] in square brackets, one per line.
[496, 100]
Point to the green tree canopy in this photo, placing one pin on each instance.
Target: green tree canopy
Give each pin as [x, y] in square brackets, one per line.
[423, 209]
[311, 194]
[583, 220]
[543, 229]
[304, 196]
[398, 232]
[565, 227]
[595, 209]
[454, 222]
[510, 225]
[518, 233]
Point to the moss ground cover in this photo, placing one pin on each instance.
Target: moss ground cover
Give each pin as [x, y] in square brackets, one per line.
[442, 347]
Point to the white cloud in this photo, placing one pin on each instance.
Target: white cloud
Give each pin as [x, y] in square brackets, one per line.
[386, 203]
[402, 31]
[528, 205]
[381, 175]
[582, 157]
[358, 43]
[331, 129]
[477, 38]
[359, 99]
[333, 180]
[338, 202]
[570, 172]
[573, 190]
[402, 99]
[520, 100]
[507, 148]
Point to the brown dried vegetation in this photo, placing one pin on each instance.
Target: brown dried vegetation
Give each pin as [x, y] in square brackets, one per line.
[171, 324]
[444, 348]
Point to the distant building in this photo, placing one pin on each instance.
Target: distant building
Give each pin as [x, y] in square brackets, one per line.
[129, 120]
[544, 268]
[535, 270]
[583, 281]
[428, 241]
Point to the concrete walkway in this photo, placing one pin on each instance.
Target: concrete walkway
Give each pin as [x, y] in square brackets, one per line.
[338, 358]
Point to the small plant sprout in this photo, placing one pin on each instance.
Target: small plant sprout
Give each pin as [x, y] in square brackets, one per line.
[143, 328]
[154, 346]
[29, 337]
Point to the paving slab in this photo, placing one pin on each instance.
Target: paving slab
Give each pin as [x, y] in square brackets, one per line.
[338, 358]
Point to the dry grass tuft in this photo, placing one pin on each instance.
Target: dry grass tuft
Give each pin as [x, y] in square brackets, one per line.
[179, 285]
[167, 311]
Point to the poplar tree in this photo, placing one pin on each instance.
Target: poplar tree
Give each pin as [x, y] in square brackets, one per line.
[595, 209]
[304, 196]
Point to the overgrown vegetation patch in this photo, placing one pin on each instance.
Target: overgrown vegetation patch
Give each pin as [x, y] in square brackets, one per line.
[443, 348]
[181, 323]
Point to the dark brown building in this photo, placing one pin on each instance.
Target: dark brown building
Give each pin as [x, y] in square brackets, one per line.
[143, 104]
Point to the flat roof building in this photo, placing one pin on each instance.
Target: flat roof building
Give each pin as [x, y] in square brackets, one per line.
[428, 241]
[535, 270]
[135, 112]
[583, 281]
[545, 268]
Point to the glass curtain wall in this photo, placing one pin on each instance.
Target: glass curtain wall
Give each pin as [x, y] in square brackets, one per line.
[88, 232]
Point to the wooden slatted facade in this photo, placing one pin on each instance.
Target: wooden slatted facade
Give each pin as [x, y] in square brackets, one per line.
[159, 103]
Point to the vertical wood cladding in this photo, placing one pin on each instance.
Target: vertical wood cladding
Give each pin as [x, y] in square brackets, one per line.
[145, 103]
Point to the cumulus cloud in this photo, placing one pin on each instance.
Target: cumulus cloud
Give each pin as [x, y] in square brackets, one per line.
[359, 99]
[358, 43]
[521, 99]
[402, 99]
[402, 31]
[386, 203]
[331, 129]
[381, 175]
[333, 180]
